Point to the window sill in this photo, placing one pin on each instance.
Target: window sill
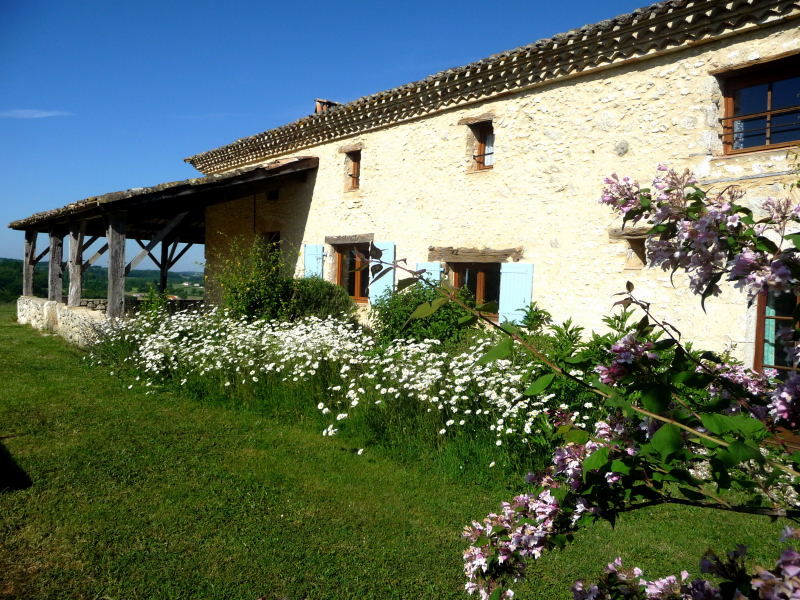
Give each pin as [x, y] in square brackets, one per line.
[483, 170]
[759, 150]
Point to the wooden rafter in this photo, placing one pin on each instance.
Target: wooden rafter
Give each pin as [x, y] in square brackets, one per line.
[161, 235]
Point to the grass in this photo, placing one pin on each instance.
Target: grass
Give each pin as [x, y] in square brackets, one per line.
[162, 496]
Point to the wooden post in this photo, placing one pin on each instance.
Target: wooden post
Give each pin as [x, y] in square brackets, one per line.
[163, 266]
[28, 264]
[55, 269]
[116, 265]
[75, 263]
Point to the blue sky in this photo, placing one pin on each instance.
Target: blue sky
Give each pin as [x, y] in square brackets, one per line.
[97, 97]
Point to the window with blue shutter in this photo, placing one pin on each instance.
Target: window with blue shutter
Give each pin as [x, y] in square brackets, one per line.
[312, 260]
[433, 271]
[516, 281]
[385, 284]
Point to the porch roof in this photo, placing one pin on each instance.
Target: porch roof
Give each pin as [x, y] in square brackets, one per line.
[149, 208]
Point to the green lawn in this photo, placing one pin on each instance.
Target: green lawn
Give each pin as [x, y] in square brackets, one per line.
[156, 496]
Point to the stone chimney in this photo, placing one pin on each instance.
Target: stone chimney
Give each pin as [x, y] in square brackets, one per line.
[322, 105]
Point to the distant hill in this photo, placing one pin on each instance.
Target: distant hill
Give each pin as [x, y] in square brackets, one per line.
[95, 281]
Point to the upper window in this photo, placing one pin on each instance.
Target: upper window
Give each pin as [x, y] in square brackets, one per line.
[774, 313]
[483, 156]
[351, 270]
[762, 107]
[353, 172]
[481, 279]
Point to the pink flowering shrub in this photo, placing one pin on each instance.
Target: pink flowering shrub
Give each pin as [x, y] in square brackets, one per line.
[682, 425]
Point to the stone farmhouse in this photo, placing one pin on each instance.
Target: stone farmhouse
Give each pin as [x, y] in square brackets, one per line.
[489, 174]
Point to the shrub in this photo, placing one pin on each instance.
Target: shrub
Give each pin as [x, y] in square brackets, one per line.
[253, 280]
[316, 297]
[390, 317]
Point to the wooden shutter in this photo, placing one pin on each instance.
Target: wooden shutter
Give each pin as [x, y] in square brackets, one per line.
[516, 281]
[386, 283]
[312, 260]
[433, 271]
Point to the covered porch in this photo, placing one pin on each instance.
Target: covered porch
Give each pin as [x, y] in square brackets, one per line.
[164, 220]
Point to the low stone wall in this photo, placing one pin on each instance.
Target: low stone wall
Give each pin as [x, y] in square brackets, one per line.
[76, 324]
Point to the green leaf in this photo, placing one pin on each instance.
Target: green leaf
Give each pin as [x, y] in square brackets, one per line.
[741, 424]
[715, 423]
[496, 595]
[540, 385]
[667, 440]
[501, 350]
[595, 460]
[709, 291]
[467, 320]
[405, 282]
[693, 379]
[655, 398]
[617, 466]
[794, 238]
[426, 309]
[576, 436]
[766, 245]
[664, 344]
[489, 307]
[738, 452]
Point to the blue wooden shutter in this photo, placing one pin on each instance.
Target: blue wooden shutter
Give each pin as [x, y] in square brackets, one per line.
[433, 271]
[386, 283]
[312, 260]
[516, 280]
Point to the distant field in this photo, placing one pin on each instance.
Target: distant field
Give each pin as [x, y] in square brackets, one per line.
[95, 282]
[155, 496]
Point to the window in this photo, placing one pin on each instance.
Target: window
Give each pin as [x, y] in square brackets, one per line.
[481, 279]
[483, 155]
[353, 172]
[351, 270]
[762, 107]
[774, 312]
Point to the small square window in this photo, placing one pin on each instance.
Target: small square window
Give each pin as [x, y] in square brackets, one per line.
[481, 279]
[762, 106]
[483, 154]
[352, 272]
[774, 311]
[353, 170]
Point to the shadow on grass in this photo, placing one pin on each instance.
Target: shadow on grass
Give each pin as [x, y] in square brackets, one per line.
[12, 477]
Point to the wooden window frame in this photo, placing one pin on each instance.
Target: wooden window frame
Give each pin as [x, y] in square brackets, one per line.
[353, 170]
[456, 270]
[482, 131]
[766, 73]
[761, 321]
[360, 269]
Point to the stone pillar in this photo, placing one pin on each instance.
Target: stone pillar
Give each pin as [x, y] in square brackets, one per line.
[116, 265]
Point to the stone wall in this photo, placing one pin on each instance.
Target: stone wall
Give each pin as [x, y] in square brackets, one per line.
[554, 145]
[75, 324]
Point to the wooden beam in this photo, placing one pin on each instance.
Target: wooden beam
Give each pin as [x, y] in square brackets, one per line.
[90, 241]
[165, 231]
[29, 264]
[150, 254]
[173, 261]
[76, 246]
[165, 264]
[116, 265]
[95, 257]
[42, 254]
[479, 255]
[55, 274]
